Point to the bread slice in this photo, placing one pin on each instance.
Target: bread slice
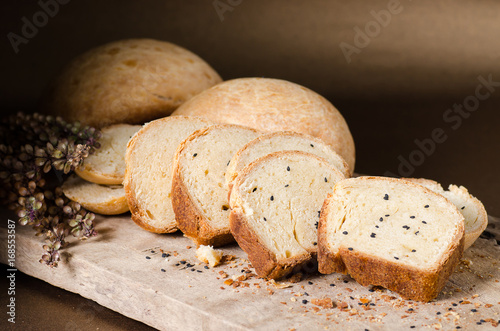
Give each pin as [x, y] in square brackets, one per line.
[276, 203]
[107, 164]
[199, 194]
[392, 233]
[283, 141]
[106, 200]
[148, 174]
[475, 216]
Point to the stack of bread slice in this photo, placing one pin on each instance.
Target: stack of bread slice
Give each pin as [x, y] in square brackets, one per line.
[98, 186]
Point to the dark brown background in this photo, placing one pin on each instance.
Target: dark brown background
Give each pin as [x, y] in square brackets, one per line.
[394, 91]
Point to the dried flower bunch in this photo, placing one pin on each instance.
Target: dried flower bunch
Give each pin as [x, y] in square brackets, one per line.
[31, 145]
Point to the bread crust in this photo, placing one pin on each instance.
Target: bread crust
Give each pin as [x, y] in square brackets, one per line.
[263, 260]
[274, 105]
[128, 81]
[409, 282]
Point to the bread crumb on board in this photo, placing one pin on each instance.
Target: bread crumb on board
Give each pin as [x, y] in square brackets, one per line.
[208, 254]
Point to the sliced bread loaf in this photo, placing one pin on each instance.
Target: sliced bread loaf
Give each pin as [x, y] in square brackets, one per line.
[283, 141]
[276, 203]
[148, 175]
[199, 194]
[106, 200]
[390, 232]
[475, 216]
[107, 164]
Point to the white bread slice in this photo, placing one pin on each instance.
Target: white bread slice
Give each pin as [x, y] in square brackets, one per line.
[199, 194]
[475, 216]
[148, 175]
[106, 200]
[276, 203]
[282, 141]
[107, 164]
[392, 233]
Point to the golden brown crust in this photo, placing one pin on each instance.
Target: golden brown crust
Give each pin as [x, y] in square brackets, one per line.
[263, 260]
[274, 105]
[128, 81]
[410, 283]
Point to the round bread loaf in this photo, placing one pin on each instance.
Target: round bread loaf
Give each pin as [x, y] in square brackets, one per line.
[274, 105]
[128, 81]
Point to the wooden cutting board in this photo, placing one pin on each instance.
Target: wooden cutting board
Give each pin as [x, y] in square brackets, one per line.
[157, 279]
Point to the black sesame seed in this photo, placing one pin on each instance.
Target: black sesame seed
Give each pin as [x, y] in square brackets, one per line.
[438, 313]
[189, 265]
[195, 154]
[312, 145]
[304, 301]
[351, 298]
[413, 250]
[272, 198]
[373, 235]
[316, 224]
[454, 304]
[315, 243]
[332, 285]
[193, 269]
[350, 248]
[463, 207]
[164, 255]
[478, 323]
[306, 294]
[450, 308]
[482, 321]
[152, 251]
[412, 327]
[397, 258]
[424, 222]
[458, 327]
[345, 282]
[473, 310]
[411, 309]
[417, 232]
[381, 219]
[265, 219]
[288, 168]
[287, 185]
[177, 264]
[387, 215]
[228, 162]
[309, 282]
[386, 197]
[360, 303]
[371, 290]
[406, 227]
[412, 216]
[254, 189]
[319, 213]
[372, 304]
[345, 232]
[182, 262]
[377, 226]
[326, 180]
[206, 267]
[162, 270]
[461, 301]
[199, 270]
[426, 206]
[147, 257]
